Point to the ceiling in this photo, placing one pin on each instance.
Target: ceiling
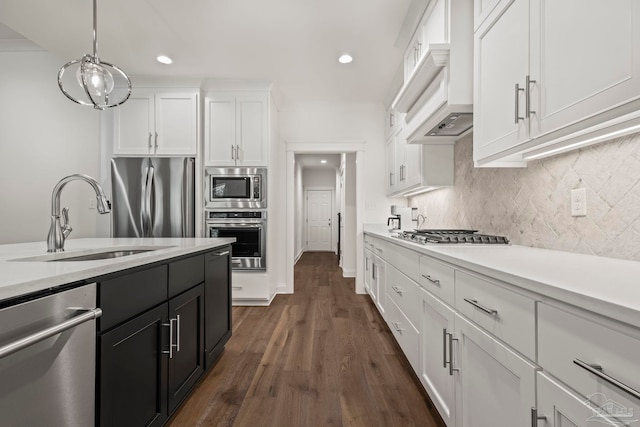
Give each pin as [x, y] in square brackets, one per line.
[292, 43]
[312, 161]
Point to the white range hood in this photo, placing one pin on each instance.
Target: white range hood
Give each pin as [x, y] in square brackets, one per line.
[437, 96]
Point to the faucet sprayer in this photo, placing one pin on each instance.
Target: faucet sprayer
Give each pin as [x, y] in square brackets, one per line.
[59, 232]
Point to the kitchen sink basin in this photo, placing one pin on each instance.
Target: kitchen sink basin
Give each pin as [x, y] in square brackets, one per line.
[93, 255]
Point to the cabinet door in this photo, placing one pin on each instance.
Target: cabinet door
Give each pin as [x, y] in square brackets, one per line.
[495, 386]
[562, 408]
[176, 124]
[186, 363]
[381, 284]
[133, 372]
[251, 130]
[368, 270]
[217, 294]
[437, 323]
[501, 49]
[220, 130]
[585, 70]
[400, 144]
[391, 176]
[412, 164]
[134, 125]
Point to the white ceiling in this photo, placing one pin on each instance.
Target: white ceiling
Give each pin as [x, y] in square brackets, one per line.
[292, 43]
[312, 161]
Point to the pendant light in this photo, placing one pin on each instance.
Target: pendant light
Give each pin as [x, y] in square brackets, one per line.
[94, 80]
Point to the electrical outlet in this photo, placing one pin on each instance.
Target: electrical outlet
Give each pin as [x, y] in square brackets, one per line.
[92, 202]
[579, 202]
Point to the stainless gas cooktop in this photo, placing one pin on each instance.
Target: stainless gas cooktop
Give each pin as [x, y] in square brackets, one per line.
[424, 236]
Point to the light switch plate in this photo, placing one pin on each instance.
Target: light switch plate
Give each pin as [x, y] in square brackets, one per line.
[579, 202]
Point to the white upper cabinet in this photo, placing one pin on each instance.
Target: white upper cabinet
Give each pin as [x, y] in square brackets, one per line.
[154, 122]
[236, 129]
[542, 85]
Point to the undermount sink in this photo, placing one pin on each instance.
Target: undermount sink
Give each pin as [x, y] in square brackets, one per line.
[93, 255]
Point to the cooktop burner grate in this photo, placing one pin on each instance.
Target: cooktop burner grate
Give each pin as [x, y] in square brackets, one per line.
[452, 236]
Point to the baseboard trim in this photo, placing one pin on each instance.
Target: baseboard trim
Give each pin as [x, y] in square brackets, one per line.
[348, 273]
[297, 257]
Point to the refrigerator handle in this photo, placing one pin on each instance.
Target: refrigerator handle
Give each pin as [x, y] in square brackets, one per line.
[151, 213]
[146, 203]
[188, 198]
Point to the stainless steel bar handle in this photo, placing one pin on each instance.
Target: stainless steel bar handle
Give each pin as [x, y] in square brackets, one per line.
[150, 145]
[444, 348]
[156, 141]
[237, 152]
[36, 337]
[233, 156]
[171, 344]
[477, 305]
[518, 90]
[398, 290]
[450, 362]
[527, 96]
[178, 334]
[374, 271]
[397, 327]
[535, 418]
[598, 371]
[432, 280]
[390, 179]
[221, 253]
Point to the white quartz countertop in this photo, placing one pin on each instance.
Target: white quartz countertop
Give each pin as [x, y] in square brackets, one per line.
[27, 276]
[607, 286]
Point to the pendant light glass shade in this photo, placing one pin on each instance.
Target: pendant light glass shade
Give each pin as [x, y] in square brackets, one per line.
[96, 83]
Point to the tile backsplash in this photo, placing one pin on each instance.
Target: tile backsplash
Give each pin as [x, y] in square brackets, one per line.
[532, 205]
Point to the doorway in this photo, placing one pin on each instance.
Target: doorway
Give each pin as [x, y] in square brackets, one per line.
[319, 216]
[352, 245]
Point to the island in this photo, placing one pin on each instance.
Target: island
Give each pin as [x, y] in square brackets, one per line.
[164, 317]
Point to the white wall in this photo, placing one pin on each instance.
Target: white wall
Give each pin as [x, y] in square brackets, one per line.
[299, 209]
[43, 138]
[319, 178]
[349, 259]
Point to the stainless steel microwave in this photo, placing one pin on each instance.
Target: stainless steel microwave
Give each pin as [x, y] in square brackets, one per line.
[236, 188]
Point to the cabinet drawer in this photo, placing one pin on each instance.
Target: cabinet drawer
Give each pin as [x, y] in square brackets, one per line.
[404, 260]
[185, 274]
[437, 278]
[507, 315]
[406, 294]
[375, 245]
[405, 333]
[127, 296]
[566, 337]
[248, 291]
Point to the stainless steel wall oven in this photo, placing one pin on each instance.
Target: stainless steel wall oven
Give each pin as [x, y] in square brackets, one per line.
[250, 231]
[235, 188]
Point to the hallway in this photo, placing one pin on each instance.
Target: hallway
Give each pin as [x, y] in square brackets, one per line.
[322, 356]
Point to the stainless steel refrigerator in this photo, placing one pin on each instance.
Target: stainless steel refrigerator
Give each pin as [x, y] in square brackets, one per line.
[152, 197]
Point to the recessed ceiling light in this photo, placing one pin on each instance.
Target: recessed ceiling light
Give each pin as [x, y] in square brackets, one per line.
[345, 59]
[164, 59]
[323, 161]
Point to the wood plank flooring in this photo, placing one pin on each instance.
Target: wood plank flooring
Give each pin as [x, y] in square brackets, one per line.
[322, 356]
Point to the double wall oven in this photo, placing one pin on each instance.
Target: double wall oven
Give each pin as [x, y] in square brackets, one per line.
[235, 206]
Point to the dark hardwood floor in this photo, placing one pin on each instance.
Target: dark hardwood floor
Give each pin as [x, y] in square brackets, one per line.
[322, 356]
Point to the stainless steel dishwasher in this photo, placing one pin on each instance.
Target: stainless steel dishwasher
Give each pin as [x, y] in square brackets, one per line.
[47, 360]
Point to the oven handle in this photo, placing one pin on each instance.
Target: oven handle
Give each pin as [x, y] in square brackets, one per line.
[235, 225]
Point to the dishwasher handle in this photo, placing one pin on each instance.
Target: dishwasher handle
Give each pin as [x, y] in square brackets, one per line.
[49, 332]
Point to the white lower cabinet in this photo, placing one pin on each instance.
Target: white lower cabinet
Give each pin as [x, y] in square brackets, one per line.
[436, 372]
[379, 288]
[368, 270]
[405, 333]
[494, 386]
[560, 407]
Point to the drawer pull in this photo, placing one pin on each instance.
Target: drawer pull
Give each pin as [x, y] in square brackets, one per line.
[535, 418]
[398, 290]
[474, 303]
[444, 348]
[597, 370]
[379, 250]
[237, 288]
[397, 327]
[432, 280]
[450, 361]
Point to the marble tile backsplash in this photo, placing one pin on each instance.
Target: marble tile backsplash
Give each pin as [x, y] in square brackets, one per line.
[532, 206]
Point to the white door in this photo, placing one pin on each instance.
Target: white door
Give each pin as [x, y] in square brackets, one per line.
[435, 373]
[319, 213]
[495, 386]
[176, 124]
[220, 130]
[251, 130]
[587, 67]
[501, 49]
[134, 125]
